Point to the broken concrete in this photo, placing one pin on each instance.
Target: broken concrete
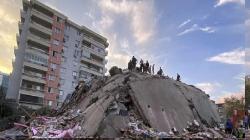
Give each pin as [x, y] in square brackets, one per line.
[132, 105]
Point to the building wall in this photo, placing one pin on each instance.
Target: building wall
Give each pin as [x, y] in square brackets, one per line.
[70, 63]
[63, 57]
[15, 76]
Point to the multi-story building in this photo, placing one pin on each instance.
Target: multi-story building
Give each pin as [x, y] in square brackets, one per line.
[221, 111]
[4, 81]
[52, 56]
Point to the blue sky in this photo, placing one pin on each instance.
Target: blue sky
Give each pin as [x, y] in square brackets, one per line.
[202, 40]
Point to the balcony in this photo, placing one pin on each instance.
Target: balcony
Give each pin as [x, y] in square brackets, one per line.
[40, 28]
[35, 65]
[94, 51]
[91, 40]
[37, 51]
[38, 39]
[93, 61]
[32, 92]
[91, 70]
[32, 77]
[41, 15]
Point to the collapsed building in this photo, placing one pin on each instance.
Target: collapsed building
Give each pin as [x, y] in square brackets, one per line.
[131, 105]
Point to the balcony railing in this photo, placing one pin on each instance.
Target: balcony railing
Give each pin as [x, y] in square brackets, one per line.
[32, 74]
[39, 38]
[93, 61]
[41, 27]
[39, 50]
[91, 68]
[94, 51]
[93, 41]
[32, 89]
[42, 15]
[30, 61]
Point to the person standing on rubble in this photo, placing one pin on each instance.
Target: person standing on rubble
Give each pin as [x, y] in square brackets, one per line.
[149, 70]
[160, 72]
[147, 66]
[178, 77]
[141, 65]
[153, 69]
[245, 121]
[130, 65]
[229, 126]
[134, 60]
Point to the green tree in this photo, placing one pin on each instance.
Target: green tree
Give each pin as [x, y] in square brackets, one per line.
[247, 94]
[232, 103]
[115, 70]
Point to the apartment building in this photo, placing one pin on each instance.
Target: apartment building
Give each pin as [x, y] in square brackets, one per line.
[4, 81]
[52, 56]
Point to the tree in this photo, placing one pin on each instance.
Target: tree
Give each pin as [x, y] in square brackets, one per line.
[115, 70]
[247, 93]
[232, 103]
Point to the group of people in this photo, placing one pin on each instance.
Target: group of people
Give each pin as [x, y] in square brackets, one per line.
[239, 132]
[146, 68]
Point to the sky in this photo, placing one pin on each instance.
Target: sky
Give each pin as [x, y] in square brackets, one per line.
[203, 41]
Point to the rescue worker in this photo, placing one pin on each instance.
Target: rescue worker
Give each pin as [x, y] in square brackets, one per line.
[134, 60]
[153, 69]
[178, 77]
[141, 65]
[229, 126]
[147, 66]
[160, 72]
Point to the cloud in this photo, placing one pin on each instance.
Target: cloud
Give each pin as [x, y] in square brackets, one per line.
[196, 27]
[184, 23]
[140, 15]
[238, 95]
[223, 2]
[236, 56]
[208, 87]
[9, 13]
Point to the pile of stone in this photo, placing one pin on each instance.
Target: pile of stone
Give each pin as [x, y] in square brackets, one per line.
[129, 105]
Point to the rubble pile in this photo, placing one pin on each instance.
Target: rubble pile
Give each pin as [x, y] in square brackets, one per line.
[129, 105]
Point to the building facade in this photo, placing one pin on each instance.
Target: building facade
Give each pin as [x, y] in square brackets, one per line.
[221, 111]
[52, 56]
[4, 82]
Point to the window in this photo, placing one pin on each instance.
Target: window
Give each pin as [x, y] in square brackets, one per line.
[61, 92]
[57, 30]
[77, 43]
[58, 19]
[56, 42]
[54, 53]
[50, 103]
[49, 90]
[53, 66]
[74, 63]
[75, 53]
[74, 73]
[66, 38]
[62, 81]
[62, 70]
[52, 78]
[78, 33]
[73, 84]
[38, 88]
[64, 59]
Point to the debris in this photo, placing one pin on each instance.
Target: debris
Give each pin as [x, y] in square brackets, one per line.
[129, 105]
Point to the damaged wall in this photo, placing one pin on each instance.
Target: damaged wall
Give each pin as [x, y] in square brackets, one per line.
[167, 103]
